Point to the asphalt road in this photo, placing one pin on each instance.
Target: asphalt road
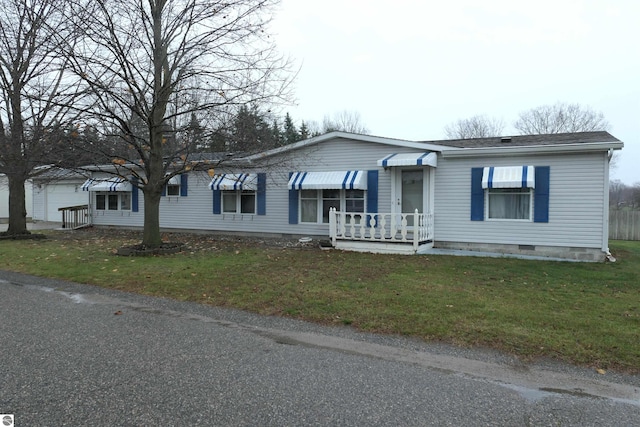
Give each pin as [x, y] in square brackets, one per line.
[83, 356]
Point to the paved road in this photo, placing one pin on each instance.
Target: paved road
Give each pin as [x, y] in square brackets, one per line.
[67, 358]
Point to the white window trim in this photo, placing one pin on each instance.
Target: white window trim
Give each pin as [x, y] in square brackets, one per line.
[486, 206]
[106, 194]
[319, 206]
[173, 186]
[238, 194]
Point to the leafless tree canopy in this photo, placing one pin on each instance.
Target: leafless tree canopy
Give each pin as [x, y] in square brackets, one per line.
[345, 121]
[34, 94]
[560, 118]
[474, 127]
[162, 71]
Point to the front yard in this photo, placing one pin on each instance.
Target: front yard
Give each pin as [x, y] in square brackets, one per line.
[584, 313]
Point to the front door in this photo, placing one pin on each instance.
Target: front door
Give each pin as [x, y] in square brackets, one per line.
[410, 192]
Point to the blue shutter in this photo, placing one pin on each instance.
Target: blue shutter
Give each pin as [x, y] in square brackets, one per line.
[164, 190]
[477, 195]
[541, 197]
[134, 194]
[184, 181]
[262, 194]
[293, 205]
[372, 193]
[217, 202]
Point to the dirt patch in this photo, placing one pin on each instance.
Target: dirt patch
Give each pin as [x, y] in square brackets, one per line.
[182, 241]
[22, 236]
[167, 248]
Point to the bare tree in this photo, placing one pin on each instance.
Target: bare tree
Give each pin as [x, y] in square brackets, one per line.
[33, 85]
[345, 121]
[616, 192]
[560, 118]
[165, 64]
[474, 127]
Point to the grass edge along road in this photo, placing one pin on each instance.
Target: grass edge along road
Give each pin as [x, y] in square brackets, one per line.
[583, 313]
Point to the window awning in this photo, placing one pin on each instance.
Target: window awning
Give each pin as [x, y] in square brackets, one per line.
[87, 184]
[111, 184]
[349, 180]
[508, 177]
[174, 180]
[409, 159]
[228, 181]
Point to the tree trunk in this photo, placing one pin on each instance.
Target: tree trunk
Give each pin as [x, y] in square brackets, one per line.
[17, 206]
[151, 234]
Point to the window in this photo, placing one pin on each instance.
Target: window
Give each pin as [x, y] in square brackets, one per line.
[125, 201]
[173, 189]
[113, 201]
[315, 204]
[518, 193]
[509, 203]
[243, 202]
[101, 201]
[176, 186]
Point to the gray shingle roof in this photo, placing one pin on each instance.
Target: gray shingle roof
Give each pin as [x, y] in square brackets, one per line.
[529, 140]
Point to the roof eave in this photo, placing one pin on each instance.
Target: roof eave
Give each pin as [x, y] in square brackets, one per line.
[529, 149]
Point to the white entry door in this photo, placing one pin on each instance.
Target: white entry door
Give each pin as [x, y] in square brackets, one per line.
[409, 192]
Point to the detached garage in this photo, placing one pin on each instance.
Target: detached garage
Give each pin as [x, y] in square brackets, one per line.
[56, 190]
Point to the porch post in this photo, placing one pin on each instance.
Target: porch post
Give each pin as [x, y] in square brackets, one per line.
[416, 230]
[332, 226]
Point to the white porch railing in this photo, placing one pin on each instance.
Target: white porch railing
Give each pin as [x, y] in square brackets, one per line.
[409, 228]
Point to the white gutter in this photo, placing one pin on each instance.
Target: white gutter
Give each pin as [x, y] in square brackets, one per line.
[528, 149]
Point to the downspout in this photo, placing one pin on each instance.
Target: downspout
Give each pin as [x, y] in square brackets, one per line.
[605, 210]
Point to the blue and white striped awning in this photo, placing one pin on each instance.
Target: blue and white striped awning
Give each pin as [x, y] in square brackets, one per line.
[349, 180]
[230, 182]
[508, 177]
[87, 184]
[109, 184]
[409, 159]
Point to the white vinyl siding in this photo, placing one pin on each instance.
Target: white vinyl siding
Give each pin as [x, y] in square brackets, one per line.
[576, 201]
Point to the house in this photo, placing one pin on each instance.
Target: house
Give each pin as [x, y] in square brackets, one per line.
[544, 195]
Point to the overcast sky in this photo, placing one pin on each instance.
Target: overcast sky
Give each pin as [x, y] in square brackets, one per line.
[411, 67]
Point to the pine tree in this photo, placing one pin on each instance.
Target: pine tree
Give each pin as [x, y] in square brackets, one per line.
[291, 135]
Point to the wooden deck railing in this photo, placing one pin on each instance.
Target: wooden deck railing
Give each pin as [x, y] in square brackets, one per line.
[75, 216]
[409, 228]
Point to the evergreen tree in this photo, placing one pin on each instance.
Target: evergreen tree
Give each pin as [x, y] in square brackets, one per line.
[304, 131]
[291, 135]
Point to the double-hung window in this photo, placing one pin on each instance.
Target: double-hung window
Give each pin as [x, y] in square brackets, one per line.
[239, 193]
[239, 201]
[111, 194]
[116, 201]
[509, 192]
[319, 192]
[509, 203]
[316, 204]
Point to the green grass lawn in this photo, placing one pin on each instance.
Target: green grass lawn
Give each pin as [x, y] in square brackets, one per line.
[584, 313]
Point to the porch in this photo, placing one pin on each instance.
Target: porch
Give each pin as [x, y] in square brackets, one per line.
[400, 233]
